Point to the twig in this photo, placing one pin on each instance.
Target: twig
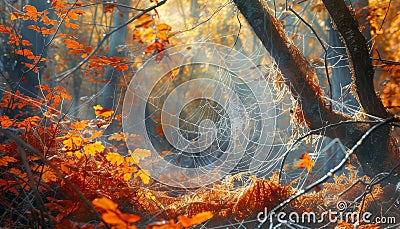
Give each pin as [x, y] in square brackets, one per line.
[389, 62]
[387, 11]
[28, 170]
[322, 45]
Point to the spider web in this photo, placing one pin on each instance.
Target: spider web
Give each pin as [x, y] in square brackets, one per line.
[207, 122]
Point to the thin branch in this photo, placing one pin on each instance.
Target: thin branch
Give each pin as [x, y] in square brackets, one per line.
[28, 170]
[387, 11]
[202, 22]
[111, 3]
[322, 45]
[388, 62]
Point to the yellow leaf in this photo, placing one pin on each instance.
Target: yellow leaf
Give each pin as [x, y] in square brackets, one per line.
[127, 176]
[140, 153]
[93, 148]
[72, 142]
[78, 154]
[105, 204]
[148, 195]
[115, 158]
[199, 218]
[144, 176]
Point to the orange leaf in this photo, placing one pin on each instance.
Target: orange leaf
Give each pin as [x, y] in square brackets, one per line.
[117, 136]
[73, 15]
[47, 21]
[105, 204]
[80, 125]
[5, 121]
[130, 218]
[76, 51]
[48, 175]
[4, 29]
[35, 27]
[112, 218]
[96, 134]
[162, 35]
[25, 52]
[32, 12]
[163, 27]
[199, 218]
[109, 8]
[48, 31]
[156, 44]
[72, 44]
[26, 43]
[71, 25]
[122, 67]
[306, 162]
[16, 15]
[29, 122]
[140, 153]
[6, 159]
[88, 49]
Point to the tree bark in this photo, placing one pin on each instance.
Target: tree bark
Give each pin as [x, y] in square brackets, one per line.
[359, 58]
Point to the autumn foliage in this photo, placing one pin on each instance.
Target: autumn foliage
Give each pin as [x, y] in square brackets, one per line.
[65, 172]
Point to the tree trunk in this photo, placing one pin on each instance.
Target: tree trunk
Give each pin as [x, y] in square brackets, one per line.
[377, 152]
[23, 80]
[109, 97]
